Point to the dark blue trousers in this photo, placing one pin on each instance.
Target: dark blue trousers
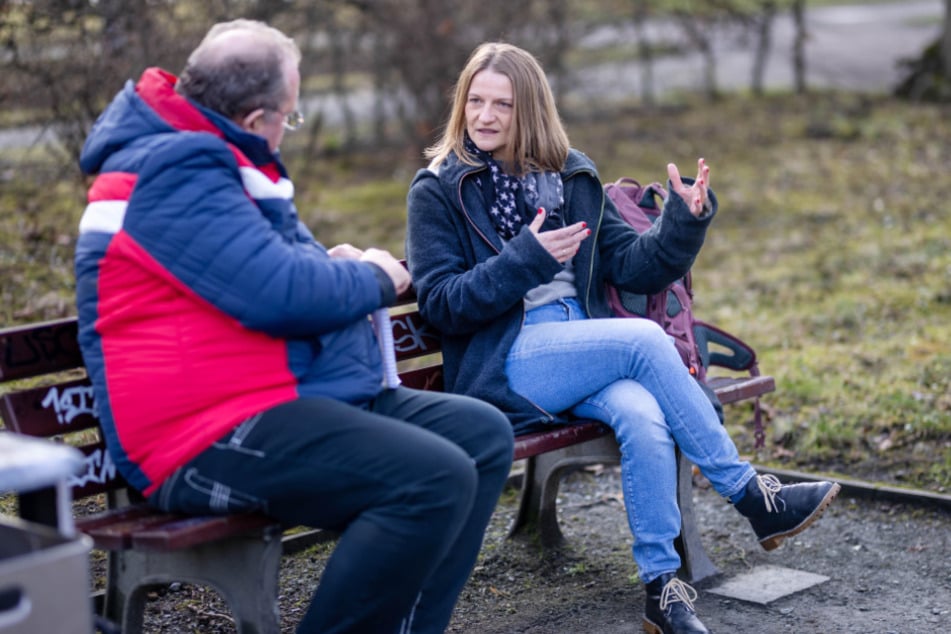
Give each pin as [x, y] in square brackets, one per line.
[410, 482]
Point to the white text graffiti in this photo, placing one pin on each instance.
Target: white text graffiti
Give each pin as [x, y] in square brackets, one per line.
[99, 469]
[414, 336]
[70, 403]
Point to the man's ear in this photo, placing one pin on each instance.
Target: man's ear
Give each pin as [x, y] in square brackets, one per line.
[252, 120]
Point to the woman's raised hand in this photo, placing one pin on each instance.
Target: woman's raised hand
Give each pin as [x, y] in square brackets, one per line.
[696, 195]
[563, 243]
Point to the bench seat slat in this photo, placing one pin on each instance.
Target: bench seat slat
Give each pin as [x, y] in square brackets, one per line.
[116, 532]
[535, 443]
[732, 390]
[145, 528]
[114, 516]
[51, 410]
[184, 532]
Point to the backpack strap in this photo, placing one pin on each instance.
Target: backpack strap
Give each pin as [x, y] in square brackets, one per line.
[738, 355]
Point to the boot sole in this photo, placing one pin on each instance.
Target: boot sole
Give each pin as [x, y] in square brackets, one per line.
[650, 627]
[773, 541]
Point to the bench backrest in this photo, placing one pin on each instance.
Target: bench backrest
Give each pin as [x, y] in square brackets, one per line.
[46, 393]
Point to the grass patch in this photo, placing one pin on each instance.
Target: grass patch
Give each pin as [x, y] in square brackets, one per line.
[831, 254]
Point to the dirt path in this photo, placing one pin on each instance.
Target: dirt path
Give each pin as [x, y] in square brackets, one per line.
[888, 567]
[889, 570]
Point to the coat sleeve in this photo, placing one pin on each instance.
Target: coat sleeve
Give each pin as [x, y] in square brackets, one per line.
[193, 216]
[649, 262]
[459, 289]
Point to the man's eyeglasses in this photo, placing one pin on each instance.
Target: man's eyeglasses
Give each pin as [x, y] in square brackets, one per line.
[293, 120]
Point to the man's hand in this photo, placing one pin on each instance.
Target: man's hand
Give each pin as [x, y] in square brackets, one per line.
[696, 195]
[345, 252]
[397, 272]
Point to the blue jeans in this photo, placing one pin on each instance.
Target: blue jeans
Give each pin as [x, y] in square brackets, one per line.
[409, 482]
[627, 373]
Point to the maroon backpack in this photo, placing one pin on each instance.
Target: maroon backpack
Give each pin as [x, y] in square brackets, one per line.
[640, 206]
[700, 344]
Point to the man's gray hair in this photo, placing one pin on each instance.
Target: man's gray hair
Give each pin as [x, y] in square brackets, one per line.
[239, 66]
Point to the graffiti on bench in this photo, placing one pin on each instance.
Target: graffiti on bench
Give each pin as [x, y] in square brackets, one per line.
[412, 334]
[100, 469]
[71, 402]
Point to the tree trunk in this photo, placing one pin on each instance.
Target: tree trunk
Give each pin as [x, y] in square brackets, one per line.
[799, 45]
[697, 31]
[339, 45]
[946, 42]
[645, 53]
[764, 43]
[556, 67]
[381, 85]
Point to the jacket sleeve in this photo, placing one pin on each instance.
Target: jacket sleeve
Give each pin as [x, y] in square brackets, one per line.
[649, 262]
[193, 216]
[458, 293]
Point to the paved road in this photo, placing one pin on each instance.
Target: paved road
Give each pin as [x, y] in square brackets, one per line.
[855, 47]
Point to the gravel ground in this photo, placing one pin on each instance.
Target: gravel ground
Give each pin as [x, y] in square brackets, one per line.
[889, 569]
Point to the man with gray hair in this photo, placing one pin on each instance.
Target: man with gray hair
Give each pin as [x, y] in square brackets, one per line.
[232, 360]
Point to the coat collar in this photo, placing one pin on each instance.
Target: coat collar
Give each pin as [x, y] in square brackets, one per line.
[156, 88]
[464, 182]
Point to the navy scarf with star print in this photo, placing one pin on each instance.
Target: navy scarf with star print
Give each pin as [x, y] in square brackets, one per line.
[513, 194]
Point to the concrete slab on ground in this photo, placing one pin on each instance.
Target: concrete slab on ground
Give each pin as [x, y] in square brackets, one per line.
[765, 584]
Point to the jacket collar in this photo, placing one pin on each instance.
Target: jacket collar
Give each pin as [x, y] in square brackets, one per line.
[452, 173]
[452, 169]
[156, 88]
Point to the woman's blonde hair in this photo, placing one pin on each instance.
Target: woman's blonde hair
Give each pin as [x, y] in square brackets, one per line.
[539, 139]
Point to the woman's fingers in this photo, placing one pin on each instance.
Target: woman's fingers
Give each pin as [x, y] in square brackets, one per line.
[562, 244]
[673, 174]
[565, 242]
[703, 175]
[537, 221]
[694, 196]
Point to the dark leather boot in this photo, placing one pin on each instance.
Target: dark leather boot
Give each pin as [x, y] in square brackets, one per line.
[669, 607]
[776, 511]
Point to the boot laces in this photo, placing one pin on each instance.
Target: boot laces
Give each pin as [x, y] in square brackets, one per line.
[769, 486]
[676, 591]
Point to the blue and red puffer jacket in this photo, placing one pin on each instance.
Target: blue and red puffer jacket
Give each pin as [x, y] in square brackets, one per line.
[202, 298]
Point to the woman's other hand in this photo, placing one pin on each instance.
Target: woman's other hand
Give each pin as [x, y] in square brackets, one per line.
[562, 244]
[696, 195]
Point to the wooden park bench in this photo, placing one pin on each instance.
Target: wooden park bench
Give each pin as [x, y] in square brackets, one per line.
[46, 394]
